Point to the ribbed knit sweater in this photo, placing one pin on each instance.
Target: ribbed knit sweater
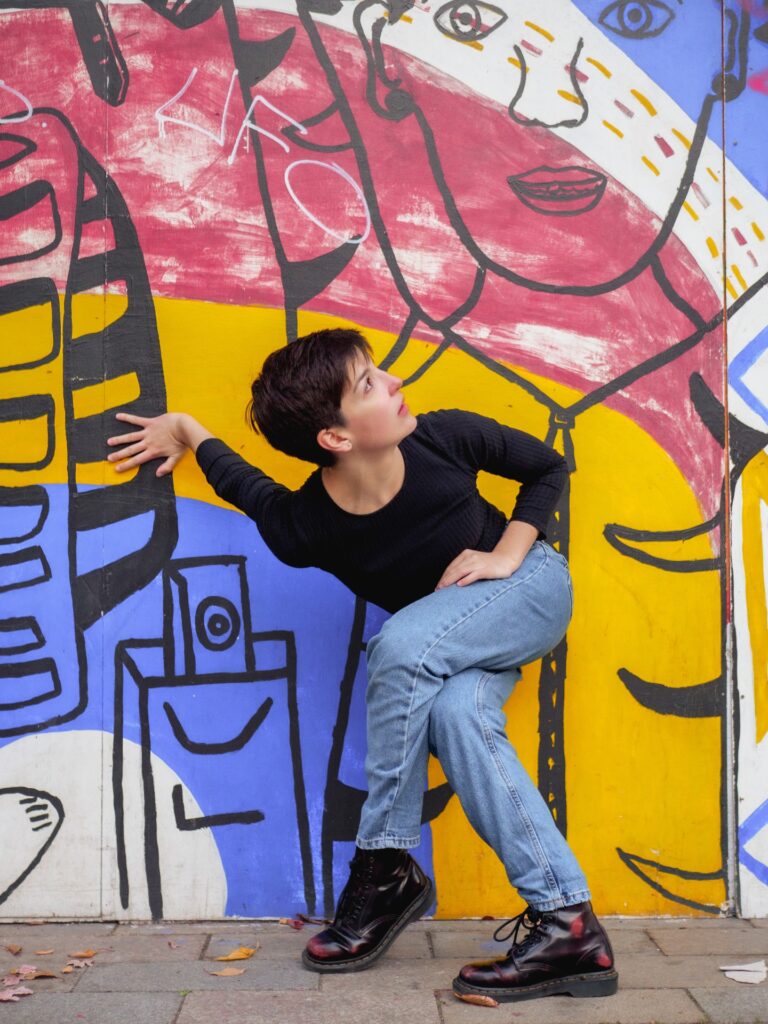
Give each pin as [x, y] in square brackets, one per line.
[397, 554]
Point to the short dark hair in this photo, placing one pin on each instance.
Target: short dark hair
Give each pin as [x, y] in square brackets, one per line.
[298, 392]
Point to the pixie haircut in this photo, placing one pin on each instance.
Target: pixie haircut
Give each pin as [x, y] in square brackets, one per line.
[298, 392]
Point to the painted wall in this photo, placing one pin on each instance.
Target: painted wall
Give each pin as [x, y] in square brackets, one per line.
[554, 214]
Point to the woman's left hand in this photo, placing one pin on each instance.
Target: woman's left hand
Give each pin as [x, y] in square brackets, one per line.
[477, 565]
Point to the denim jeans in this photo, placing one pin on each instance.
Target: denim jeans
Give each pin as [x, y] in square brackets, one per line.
[439, 672]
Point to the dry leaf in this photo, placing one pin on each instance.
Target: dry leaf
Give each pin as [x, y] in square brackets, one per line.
[23, 969]
[67, 970]
[13, 948]
[313, 920]
[75, 962]
[476, 1000]
[292, 922]
[31, 975]
[241, 953]
[42, 952]
[10, 979]
[11, 995]
[84, 954]
[228, 972]
[173, 945]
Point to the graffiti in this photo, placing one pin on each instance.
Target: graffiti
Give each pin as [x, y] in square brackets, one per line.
[532, 215]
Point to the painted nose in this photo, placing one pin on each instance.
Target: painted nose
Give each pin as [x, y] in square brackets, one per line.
[549, 93]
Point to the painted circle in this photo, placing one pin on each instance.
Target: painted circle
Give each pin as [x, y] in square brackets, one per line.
[217, 623]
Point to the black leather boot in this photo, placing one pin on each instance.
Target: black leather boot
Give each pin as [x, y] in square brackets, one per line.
[566, 952]
[386, 890]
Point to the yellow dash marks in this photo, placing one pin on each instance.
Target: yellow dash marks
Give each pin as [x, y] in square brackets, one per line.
[470, 42]
[683, 138]
[614, 129]
[569, 96]
[690, 211]
[711, 245]
[541, 31]
[404, 17]
[712, 174]
[735, 203]
[758, 233]
[738, 275]
[600, 67]
[652, 166]
[516, 62]
[730, 289]
[644, 101]
[108, 394]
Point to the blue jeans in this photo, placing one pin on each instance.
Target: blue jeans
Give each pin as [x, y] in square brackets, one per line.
[439, 673]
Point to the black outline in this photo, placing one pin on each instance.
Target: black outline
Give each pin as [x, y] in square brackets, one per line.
[57, 805]
[22, 669]
[32, 554]
[185, 824]
[29, 496]
[632, 860]
[701, 700]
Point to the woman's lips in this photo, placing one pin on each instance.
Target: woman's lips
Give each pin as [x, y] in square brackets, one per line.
[559, 191]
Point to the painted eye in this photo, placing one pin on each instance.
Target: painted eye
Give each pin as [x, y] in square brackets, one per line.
[636, 19]
[468, 21]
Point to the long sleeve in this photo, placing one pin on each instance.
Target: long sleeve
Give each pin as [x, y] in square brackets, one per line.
[483, 444]
[274, 508]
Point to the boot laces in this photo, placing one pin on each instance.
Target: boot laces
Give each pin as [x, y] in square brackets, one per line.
[357, 888]
[531, 920]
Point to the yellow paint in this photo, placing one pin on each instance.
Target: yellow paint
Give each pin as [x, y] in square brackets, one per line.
[569, 96]
[683, 138]
[541, 31]
[712, 246]
[406, 19]
[108, 394]
[730, 289]
[468, 42]
[690, 210]
[735, 203]
[754, 483]
[94, 311]
[600, 67]
[758, 233]
[652, 166]
[738, 275]
[27, 336]
[614, 129]
[712, 174]
[643, 782]
[23, 441]
[644, 101]
[516, 62]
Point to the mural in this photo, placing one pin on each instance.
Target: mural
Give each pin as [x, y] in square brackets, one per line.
[554, 216]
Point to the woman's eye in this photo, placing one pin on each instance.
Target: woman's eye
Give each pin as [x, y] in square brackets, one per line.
[468, 21]
[636, 19]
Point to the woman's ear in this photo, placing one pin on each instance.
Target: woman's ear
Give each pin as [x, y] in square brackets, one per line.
[383, 88]
[334, 440]
[732, 81]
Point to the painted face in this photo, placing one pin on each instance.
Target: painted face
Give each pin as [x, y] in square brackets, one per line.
[584, 125]
[373, 407]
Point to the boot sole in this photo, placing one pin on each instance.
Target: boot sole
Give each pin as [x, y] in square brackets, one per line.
[361, 963]
[578, 985]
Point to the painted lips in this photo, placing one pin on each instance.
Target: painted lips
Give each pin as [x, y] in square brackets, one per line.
[559, 191]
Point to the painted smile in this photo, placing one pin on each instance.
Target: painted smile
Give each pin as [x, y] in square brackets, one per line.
[559, 191]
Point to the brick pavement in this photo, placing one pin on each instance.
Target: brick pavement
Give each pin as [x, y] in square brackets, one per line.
[160, 974]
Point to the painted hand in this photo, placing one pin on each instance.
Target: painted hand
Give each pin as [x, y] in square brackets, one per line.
[477, 565]
[159, 437]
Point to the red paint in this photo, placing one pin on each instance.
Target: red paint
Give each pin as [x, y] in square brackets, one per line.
[664, 146]
[738, 236]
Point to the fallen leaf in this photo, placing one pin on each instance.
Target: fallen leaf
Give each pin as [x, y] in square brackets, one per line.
[42, 952]
[173, 945]
[13, 948]
[228, 972]
[241, 953]
[23, 969]
[31, 975]
[76, 962]
[11, 995]
[10, 979]
[292, 922]
[84, 954]
[476, 1000]
[67, 970]
[313, 920]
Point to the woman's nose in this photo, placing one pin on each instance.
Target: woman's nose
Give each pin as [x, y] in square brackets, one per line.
[549, 92]
[395, 383]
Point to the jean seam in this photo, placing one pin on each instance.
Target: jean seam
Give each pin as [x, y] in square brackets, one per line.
[525, 818]
[435, 642]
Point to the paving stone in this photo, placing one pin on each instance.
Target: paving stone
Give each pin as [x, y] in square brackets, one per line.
[95, 1008]
[126, 947]
[741, 1004]
[258, 974]
[281, 942]
[480, 945]
[759, 922]
[645, 971]
[392, 975]
[308, 1008]
[740, 939]
[626, 1007]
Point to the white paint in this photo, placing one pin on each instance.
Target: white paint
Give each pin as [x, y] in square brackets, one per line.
[4, 87]
[335, 169]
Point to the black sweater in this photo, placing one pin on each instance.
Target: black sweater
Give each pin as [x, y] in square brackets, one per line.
[397, 554]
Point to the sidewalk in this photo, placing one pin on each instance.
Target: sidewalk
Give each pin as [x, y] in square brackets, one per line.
[160, 974]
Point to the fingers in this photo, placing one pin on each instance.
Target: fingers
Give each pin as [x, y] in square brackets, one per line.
[168, 466]
[125, 438]
[128, 417]
[126, 453]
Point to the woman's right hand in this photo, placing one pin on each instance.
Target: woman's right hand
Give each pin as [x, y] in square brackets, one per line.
[157, 437]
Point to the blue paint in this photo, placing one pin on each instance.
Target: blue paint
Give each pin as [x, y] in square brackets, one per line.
[740, 364]
[757, 821]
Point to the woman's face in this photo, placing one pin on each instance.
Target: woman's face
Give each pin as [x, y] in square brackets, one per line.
[586, 128]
